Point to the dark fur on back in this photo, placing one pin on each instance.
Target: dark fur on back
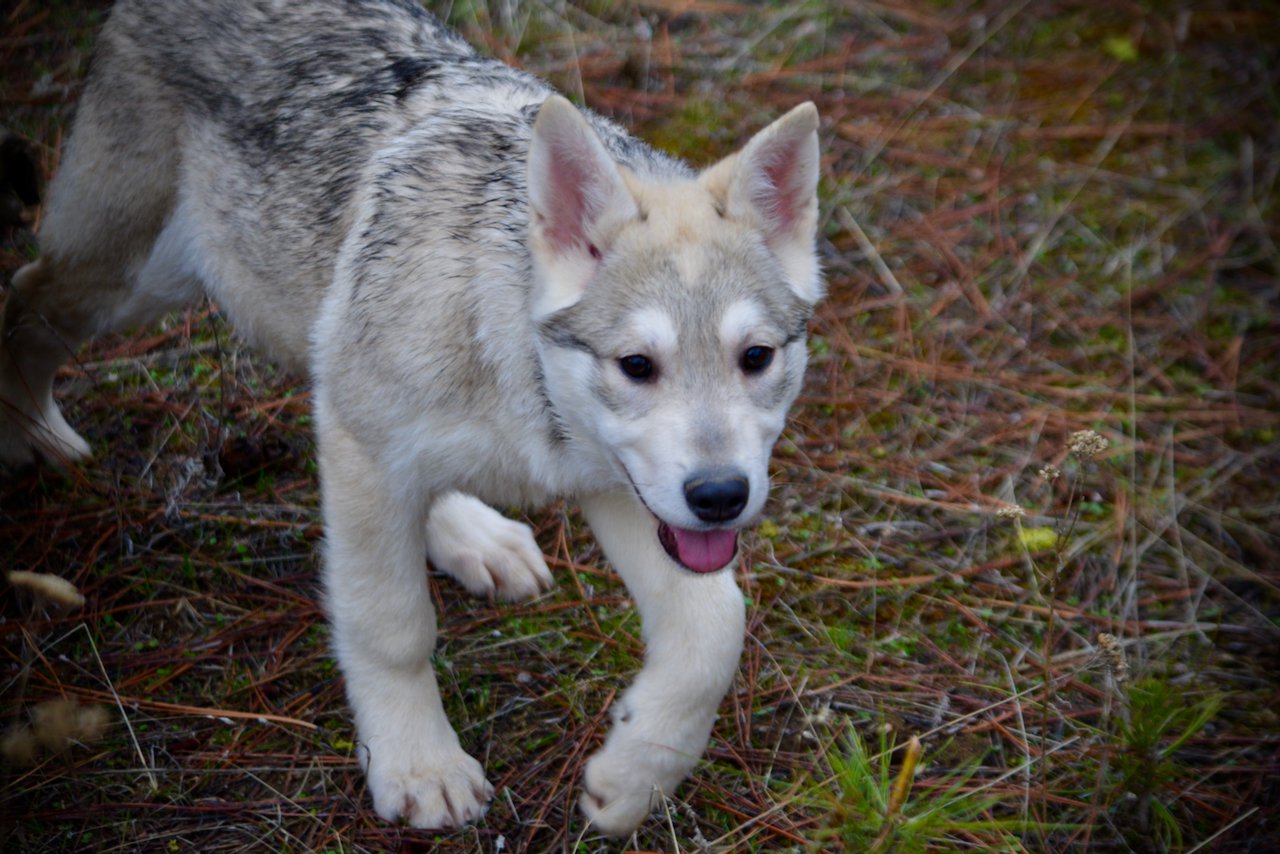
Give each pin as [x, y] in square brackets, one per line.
[320, 85]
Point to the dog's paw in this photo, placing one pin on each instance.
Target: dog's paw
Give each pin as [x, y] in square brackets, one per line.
[486, 552]
[616, 812]
[437, 792]
[645, 757]
[617, 794]
[47, 434]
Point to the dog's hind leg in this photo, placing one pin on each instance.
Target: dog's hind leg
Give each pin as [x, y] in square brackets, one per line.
[693, 627]
[485, 552]
[113, 253]
[384, 631]
[52, 308]
[32, 346]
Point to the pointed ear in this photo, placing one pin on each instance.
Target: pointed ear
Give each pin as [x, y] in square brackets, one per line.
[578, 201]
[772, 185]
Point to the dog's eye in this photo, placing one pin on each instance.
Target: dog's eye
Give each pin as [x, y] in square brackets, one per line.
[639, 368]
[756, 359]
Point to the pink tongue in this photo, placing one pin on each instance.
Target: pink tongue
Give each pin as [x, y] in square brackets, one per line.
[705, 551]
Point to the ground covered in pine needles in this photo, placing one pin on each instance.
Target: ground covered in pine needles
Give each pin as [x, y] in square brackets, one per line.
[1019, 586]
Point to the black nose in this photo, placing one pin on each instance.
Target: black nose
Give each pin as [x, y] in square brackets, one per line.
[716, 499]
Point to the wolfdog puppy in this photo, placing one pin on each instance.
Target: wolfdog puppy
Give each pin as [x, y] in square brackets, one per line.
[499, 299]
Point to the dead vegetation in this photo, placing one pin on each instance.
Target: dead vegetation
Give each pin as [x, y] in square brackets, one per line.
[1041, 218]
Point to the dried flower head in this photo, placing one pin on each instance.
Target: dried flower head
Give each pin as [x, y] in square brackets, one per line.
[1113, 657]
[1086, 444]
[1011, 511]
[56, 726]
[1050, 472]
[18, 746]
[48, 589]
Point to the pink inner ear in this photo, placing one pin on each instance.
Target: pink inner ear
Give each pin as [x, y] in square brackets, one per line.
[575, 200]
[779, 202]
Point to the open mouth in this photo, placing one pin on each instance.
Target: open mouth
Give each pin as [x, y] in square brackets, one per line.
[698, 551]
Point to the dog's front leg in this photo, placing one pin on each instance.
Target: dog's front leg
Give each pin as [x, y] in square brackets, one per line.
[384, 631]
[693, 627]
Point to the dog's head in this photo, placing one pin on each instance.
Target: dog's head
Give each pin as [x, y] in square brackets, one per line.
[672, 315]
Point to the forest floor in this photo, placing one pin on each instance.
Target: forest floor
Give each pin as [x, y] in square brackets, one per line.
[1039, 218]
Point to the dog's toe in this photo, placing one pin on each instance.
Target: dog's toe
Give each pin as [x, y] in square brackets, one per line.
[616, 815]
[447, 792]
[614, 800]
